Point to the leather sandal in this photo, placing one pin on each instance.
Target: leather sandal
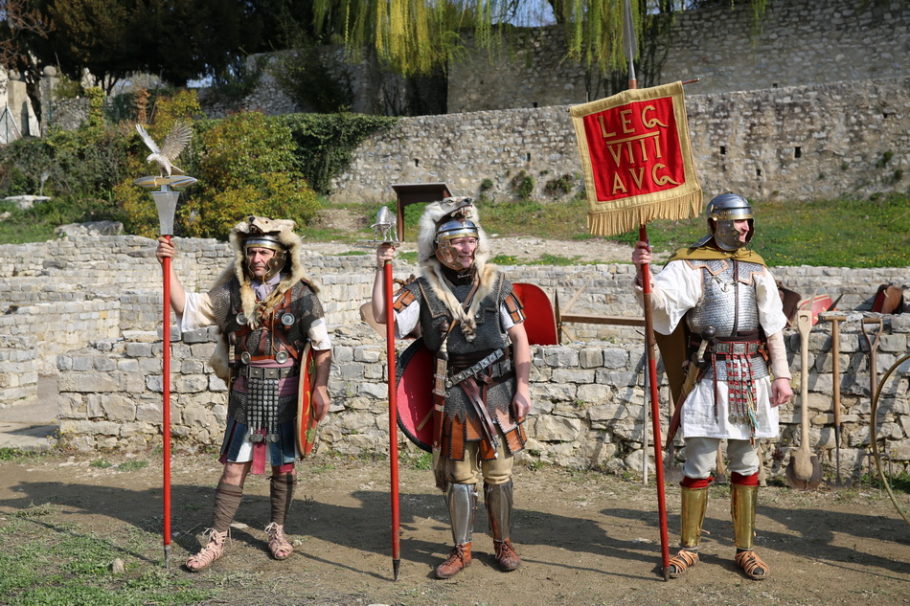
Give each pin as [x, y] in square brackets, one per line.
[211, 552]
[279, 545]
[754, 567]
[681, 562]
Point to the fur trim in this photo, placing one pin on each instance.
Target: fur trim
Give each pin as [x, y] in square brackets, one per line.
[284, 228]
[432, 272]
[434, 213]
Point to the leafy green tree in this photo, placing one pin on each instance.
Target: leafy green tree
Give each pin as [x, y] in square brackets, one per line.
[246, 165]
[417, 36]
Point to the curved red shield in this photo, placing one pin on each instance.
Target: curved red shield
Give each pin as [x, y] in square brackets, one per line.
[415, 394]
[540, 321]
[305, 424]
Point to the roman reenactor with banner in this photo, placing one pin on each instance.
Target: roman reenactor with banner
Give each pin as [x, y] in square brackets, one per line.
[472, 323]
[726, 301]
[275, 356]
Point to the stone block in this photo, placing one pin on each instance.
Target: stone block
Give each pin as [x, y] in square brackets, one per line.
[86, 382]
[573, 375]
[139, 350]
[128, 365]
[560, 356]
[615, 358]
[553, 392]
[117, 407]
[594, 393]
[379, 391]
[105, 364]
[191, 384]
[191, 367]
[555, 429]
[591, 357]
[367, 354]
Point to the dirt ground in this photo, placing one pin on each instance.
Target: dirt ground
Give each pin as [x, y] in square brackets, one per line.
[585, 537]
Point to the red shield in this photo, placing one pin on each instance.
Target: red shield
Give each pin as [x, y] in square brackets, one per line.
[816, 304]
[306, 414]
[415, 394]
[540, 321]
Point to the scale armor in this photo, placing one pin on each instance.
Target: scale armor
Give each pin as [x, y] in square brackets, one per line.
[729, 305]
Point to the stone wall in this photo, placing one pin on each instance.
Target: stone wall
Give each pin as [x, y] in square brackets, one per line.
[589, 398]
[797, 143]
[72, 318]
[798, 42]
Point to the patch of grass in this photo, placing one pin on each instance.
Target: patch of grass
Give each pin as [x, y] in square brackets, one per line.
[838, 233]
[353, 253]
[14, 454]
[134, 465]
[44, 563]
[422, 461]
[101, 463]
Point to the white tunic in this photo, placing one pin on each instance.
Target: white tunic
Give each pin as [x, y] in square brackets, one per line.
[677, 289]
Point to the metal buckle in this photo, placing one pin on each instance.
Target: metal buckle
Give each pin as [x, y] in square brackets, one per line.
[281, 357]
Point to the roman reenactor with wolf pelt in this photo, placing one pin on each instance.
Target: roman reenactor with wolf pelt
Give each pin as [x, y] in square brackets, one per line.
[270, 318]
[468, 317]
[731, 310]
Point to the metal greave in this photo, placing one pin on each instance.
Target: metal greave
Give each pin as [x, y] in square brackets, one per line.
[694, 505]
[743, 500]
[462, 502]
[498, 499]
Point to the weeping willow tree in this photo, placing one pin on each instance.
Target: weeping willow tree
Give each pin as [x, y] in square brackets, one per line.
[420, 36]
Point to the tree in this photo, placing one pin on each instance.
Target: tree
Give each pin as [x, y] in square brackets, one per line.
[22, 28]
[175, 39]
[417, 36]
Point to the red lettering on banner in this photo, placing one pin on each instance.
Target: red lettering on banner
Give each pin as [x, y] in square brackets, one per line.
[635, 149]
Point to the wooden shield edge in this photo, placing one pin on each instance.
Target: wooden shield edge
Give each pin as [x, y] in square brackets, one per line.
[305, 422]
[414, 391]
[540, 321]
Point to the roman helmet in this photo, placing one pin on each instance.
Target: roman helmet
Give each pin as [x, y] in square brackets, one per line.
[445, 221]
[262, 232]
[721, 212]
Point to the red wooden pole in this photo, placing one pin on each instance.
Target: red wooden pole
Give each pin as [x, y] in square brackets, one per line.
[651, 352]
[393, 418]
[166, 403]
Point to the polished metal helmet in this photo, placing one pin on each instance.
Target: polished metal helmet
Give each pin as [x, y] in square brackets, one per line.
[721, 212]
[452, 229]
[271, 242]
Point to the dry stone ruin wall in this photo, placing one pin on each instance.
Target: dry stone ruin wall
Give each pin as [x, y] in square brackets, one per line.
[89, 312]
[797, 43]
[793, 143]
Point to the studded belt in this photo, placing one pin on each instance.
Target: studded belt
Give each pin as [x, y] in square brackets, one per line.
[259, 372]
[736, 348]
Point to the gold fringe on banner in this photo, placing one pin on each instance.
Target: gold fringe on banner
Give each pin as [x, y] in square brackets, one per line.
[619, 215]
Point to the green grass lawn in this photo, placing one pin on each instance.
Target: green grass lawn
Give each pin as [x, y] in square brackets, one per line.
[845, 232]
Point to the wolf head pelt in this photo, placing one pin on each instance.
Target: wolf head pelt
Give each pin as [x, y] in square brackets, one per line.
[293, 272]
[435, 213]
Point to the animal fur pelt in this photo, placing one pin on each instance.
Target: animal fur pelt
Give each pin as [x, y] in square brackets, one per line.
[431, 268]
[292, 273]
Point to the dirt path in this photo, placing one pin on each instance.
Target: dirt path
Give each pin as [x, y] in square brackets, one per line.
[586, 538]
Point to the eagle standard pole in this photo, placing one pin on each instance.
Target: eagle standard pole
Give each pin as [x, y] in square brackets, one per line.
[393, 417]
[166, 403]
